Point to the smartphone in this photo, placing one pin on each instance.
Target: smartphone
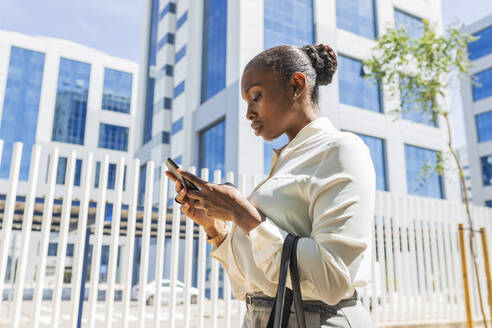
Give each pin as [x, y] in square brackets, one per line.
[173, 167]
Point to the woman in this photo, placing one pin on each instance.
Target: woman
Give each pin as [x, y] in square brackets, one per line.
[321, 187]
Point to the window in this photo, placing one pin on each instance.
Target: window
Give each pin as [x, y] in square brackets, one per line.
[212, 148]
[113, 137]
[117, 91]
[285, 22]
[182, 20]
[62, 171]
[413, 25]
[52, 249]
[288, 22]
[23, 90]
[168, 38]
[178, 159]
[71, 102]
[168, 70]
[167, 103]
[169, 8]
[180, 54]
[416, 159]
[70, 250]
[482, 46]
[357, 16]
[378, 154]
[141, 183]
[484, 126]
[485, 90]
[165, 137]
[179, 89]
[486, 163]
[111, 182]
[149, 110]
[355, 90]
[411, 110]
[153, 32]
[177, 126]
[111, 176]
[488, 203]
[214, 48]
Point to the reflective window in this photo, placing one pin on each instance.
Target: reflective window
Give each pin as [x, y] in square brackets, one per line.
[285, 22]
[117, 92]
[178, 159]
[355, 90]
[214, 48]
[416, 159]
[52, 249]
[357, 16]
[61, 171]
[153, 32]
[288, 22]
[168, 70]
[111, 175]
[167, 103]
[482, 46]
[182, 20]
[111, 183]
[71, 102]
[179, 89]
[177, 126]
[165, 137]
[141, 183]
[411, 110]
[181, 53]
[169, 8]
[113, 137]
[488, 203]
[168, 38]
[212, 148]
[413, 25]
[23, 90]
[486, 163]
[485, 90]
[149, 110]
[378, 154]
[484, 126]
[70, 250]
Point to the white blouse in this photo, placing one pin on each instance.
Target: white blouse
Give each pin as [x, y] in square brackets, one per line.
[321, 187]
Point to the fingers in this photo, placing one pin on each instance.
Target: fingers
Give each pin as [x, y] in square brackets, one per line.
[195, 195]
[181, 196]
[193, 178]
[171, 175]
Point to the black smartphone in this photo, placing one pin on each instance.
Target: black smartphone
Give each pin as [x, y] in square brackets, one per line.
[173, 167]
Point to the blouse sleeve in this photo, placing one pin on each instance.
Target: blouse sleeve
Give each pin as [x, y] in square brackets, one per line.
[341, 193]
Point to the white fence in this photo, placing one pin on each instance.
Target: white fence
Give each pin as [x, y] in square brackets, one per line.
[416, 269]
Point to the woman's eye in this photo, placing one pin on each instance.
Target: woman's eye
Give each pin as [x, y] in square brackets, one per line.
[256, 97]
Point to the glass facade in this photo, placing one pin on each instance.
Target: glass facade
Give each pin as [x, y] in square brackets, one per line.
[357, 16]
[177, 126]
[149, 110]
[20, 107]
[179, 89]
[486, 163]
[378, 154]
[482, 46]
[413, 25]
[488, 203]
[71, 102]
[485, 88]
[214, 48]
[117, 92]
[355, 90]
[416, 159]
[166, 39]
[61, 171]
[169, 8]
[288, 22]
[285, 22]
[212, 148]
[182, 20]
[113, 137]
[153, 32]
[180, 54]
[141, 184]
[484, 126]
[111, 176]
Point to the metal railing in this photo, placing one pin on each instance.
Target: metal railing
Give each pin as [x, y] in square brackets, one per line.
[415, 263]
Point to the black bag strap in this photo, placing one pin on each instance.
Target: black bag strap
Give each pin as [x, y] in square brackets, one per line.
[279, 317]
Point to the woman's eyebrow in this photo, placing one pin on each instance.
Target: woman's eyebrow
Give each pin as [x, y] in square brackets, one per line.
[250, 86]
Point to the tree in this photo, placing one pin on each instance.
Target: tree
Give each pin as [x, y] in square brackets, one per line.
[417, 71]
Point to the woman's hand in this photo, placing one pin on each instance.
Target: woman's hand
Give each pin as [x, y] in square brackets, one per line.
[211, 226]
[222, 202]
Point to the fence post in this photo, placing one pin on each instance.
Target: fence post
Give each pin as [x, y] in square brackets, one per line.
[487, 268]
[464, 270]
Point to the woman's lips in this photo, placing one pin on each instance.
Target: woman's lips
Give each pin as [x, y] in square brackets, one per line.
[257, 127]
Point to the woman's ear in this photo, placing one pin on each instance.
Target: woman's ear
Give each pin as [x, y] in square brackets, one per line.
[297, 85]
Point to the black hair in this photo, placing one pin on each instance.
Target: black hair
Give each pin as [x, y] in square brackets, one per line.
[318, 63]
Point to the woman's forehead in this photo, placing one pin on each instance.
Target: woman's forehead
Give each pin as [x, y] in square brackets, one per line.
[257, 76]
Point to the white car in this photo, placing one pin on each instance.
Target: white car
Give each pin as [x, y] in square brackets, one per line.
[165, 292]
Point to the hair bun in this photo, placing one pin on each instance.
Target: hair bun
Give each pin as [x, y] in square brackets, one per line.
[324, 61]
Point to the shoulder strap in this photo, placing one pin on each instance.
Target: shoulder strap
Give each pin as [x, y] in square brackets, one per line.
[279, 317]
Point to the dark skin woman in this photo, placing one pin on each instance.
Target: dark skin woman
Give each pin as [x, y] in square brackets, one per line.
[274, 108]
